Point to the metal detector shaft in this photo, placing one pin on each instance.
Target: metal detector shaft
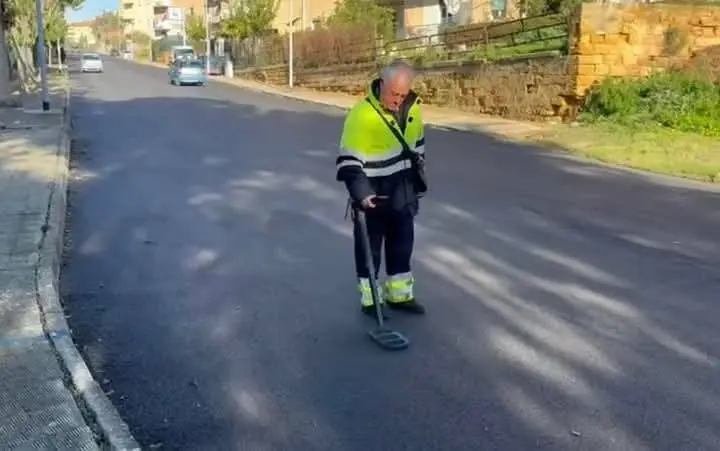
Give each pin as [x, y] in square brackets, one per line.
[369, 262]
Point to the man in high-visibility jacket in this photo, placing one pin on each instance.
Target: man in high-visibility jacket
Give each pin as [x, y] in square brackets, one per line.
[378, 176]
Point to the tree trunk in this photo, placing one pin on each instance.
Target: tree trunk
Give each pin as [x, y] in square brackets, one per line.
[26, 68]
[59, 54]
[4, 66]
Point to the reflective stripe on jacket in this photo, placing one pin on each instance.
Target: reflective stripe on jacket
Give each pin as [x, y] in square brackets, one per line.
[370, 159]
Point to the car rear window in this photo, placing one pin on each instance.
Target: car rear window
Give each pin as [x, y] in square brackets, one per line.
[90, 57]
[193, 64]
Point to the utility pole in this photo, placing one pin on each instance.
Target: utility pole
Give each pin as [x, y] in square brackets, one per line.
[291, 23]
[42, 62]
[184, 32]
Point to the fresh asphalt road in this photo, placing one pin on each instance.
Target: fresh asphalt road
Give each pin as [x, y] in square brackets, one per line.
[210, 285]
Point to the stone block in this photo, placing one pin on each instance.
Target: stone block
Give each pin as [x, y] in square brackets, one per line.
[584, 82]
[603, 49]
[597, 38]
[589, 59]
[602, 69]
[612, 59]
[585, 69]
[618, 70]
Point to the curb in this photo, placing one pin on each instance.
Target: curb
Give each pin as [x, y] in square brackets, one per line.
[114, 432]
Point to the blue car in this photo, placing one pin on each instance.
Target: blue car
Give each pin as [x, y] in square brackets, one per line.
[187, 72]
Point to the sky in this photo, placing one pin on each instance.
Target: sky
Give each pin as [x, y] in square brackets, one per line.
[90, 9]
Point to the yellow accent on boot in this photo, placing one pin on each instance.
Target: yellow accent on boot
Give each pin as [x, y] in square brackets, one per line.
[399, 288]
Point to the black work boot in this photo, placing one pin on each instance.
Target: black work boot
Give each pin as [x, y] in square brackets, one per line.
[411, 306]
[369, 310]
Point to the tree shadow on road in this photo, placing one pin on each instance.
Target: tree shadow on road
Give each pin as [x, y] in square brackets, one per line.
[571, 306]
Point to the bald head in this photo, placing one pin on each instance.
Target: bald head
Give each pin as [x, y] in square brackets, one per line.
[397, 78]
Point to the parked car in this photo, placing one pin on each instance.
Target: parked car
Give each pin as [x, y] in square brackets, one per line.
[187, 72]
[180, 52]
[91, 62]
[217, 64]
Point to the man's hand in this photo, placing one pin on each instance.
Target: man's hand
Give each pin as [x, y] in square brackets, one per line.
[369, 202]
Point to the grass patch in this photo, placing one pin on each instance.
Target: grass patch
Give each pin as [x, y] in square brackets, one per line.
[649, 148]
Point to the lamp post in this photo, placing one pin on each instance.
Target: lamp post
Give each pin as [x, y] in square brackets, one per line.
[184, 32]
[291, 56]
[207, 38]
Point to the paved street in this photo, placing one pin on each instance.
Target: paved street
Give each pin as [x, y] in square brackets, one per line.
[210, 285]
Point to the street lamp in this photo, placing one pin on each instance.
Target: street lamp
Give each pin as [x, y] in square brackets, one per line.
[207, 38]
[291, 24]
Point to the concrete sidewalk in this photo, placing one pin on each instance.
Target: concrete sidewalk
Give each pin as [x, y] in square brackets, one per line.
[48, 399]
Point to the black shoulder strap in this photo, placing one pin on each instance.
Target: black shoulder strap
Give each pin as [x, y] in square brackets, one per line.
[400, 137]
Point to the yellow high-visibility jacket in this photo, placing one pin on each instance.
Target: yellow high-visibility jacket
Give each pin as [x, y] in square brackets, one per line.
[370, 159]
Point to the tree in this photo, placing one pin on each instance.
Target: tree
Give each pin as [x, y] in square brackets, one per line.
[142, 41]
[235, 26]
[540, 7]
[5, 20]
[249, 18]
[363, 13]
[21, 34]
[259, 15]
[107, 27]
[195, 31]
[55, 28]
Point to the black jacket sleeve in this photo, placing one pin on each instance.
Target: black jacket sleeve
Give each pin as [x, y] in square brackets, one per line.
[356, 181]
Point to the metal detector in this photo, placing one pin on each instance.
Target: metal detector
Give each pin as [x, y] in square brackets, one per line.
[384, 337]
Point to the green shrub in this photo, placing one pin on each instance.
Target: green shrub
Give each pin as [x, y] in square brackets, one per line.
[674, 99]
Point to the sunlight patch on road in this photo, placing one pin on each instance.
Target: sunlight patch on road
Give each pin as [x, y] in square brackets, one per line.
[95, 244]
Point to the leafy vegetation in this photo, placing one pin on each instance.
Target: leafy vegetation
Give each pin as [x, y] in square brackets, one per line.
[651, 148]
[249, 18]
[108, 29]
[362, 13]
[195, 31]
[678, 99]
[19, 35]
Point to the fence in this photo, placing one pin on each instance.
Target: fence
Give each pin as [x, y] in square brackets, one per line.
[490, 42]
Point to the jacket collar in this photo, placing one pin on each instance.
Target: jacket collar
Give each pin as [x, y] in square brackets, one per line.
[402, 115]
[374, 97]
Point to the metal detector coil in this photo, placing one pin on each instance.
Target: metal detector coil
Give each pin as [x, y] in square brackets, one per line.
[385, 338]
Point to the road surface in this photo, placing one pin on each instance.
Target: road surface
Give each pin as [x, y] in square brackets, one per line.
[210, 285]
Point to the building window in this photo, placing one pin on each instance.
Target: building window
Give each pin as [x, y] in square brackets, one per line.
[498, 9]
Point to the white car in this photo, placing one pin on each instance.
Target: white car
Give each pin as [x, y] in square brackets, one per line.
[91, 62]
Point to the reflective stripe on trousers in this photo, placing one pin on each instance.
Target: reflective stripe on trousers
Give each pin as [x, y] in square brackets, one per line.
[398, 288]
[366, 293]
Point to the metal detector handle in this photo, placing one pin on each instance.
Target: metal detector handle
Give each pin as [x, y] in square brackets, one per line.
[369, 262]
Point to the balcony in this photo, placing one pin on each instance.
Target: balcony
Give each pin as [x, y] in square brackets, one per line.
[162, 25]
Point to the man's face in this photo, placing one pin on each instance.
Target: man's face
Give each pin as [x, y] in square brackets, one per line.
[394, 91]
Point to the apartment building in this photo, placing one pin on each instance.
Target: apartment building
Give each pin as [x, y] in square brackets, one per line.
[305, 13]
[412, 17]
[170, 15]
[137, 16]
[81, 32]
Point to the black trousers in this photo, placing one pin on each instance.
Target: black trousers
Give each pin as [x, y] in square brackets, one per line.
[394, 229]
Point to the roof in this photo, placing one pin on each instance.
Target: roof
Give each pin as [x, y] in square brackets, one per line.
[84, 23]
